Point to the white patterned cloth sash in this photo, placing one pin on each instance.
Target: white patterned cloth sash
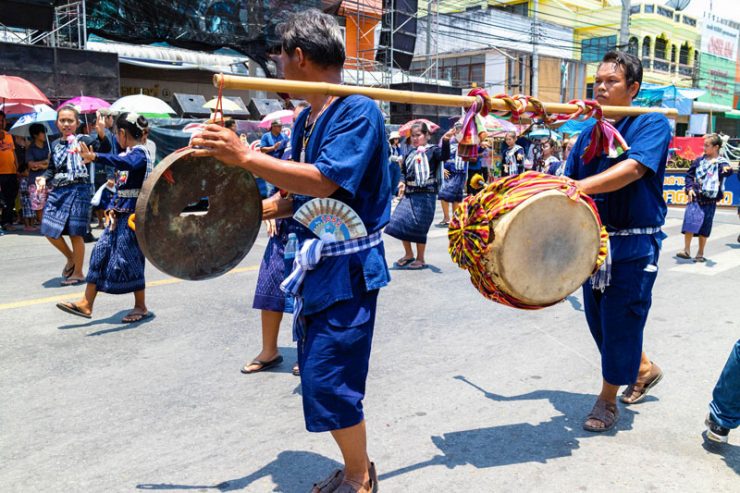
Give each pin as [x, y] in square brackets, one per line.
[421, 165]
[68, 151]
[308, 258]
[707, 174]
[602, 277]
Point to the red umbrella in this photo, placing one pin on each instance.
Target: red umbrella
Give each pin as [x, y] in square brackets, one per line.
[405, 129]
[15, 90]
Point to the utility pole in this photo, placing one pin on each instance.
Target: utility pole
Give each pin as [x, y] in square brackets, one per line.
[624, 28]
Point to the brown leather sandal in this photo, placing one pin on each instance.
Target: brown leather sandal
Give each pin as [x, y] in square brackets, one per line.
[605, 412]
[330, 484]
[638, 391]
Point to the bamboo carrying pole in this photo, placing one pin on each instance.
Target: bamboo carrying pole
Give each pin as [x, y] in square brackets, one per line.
[408, 97]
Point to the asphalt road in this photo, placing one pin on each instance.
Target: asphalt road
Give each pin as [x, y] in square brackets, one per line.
[464, 395]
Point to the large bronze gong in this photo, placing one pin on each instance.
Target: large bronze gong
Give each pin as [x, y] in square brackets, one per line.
[197, 245]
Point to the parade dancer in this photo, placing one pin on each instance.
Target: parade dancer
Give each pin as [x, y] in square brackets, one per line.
[116, 262]
[343, 154]
[628, 191]
[66, 209]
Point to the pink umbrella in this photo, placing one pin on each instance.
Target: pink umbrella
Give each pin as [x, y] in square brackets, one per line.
[15, 90]
[86, 104]
[285, 117]
[405, 129]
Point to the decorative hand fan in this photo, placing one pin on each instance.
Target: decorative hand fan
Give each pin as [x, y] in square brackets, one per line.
[330, 220]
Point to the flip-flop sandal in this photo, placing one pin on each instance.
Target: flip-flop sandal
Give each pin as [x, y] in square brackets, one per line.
[403, 262]
[72, 282]
[129, 318]
[602, 411]
[418, 266]
[73, 309]
[642, 393]
[442, 224]
[296, 370]
[68, 271]
[683, 255]
[700, 259]
[263, 365]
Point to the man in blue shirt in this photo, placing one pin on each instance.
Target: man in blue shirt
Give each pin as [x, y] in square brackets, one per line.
[342, 153]
[273, 142]
[628, 191]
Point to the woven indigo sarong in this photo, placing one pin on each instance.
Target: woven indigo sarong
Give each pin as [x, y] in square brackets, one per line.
[116, 262]
[413, 217]
[66, 211]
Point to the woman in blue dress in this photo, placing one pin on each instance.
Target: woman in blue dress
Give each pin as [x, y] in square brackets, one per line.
[453, 186]
[66, 209]
[117, 263]
[414, 214]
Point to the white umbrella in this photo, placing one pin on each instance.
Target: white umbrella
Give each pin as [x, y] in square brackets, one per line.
[143, 105]
[42, 114]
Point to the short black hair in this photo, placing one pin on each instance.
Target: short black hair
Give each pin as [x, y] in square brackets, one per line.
[36, 129]
[423, 128]
[714, 139]
[230, 123]
[69, 107]
[317, 34]
[631, 65]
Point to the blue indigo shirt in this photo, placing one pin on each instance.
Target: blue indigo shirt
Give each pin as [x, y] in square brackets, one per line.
[131, 167]
[640, 204]
[269, 140]
[348, 146]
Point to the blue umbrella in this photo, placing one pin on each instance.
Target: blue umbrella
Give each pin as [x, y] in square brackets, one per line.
[43, 114]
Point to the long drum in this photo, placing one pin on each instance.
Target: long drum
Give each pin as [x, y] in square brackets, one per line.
[528, 241]
[197, 245]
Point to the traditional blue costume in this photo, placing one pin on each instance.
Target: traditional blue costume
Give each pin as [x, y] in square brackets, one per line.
[453, 187]
[633, 217]
[116, 262]
[68, 205]
[335, 307]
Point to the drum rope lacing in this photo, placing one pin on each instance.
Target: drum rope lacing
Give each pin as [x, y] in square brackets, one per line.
[471, 228]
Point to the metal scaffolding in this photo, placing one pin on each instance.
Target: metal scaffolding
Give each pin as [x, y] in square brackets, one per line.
[69, 29]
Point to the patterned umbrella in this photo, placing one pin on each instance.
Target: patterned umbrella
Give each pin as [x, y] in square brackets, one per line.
[43, 114]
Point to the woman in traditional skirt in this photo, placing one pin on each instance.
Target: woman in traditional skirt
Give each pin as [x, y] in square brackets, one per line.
[68, 202]
[453, 186]
[116, 262]
[414, 214]
[704, 182]
[552, 164]
[514, 156]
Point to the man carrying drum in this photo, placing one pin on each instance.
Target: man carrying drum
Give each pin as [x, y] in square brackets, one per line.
[628, 191]
[343, 154]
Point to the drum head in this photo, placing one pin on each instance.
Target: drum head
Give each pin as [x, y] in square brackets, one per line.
[544, 249]
[197, 245]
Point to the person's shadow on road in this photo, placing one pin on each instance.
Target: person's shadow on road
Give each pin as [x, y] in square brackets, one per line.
[523, 442]
[291, 470]
[729, 453]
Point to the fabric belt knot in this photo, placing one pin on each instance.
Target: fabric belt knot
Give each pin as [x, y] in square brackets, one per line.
[602, 277]
[308, 258]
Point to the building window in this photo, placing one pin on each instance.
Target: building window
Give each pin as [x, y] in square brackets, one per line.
[635, 9]
[632, 46]
[519, 8]
[689, 21]
[589, 91]
[665, 12]
[660, 48]
[683, 54]
[646, 47]
[594, 49]
[649, 9]
[673, 54]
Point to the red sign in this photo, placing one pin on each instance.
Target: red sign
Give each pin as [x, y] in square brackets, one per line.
[688, 147]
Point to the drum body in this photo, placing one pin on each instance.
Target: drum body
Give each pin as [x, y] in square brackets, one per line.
[529, 240]
[544, 249]
[197, 245]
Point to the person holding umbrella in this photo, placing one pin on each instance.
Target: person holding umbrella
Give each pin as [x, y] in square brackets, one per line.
[68, 202]
[8, 174]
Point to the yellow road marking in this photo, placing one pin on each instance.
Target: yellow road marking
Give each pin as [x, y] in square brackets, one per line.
[67, 296]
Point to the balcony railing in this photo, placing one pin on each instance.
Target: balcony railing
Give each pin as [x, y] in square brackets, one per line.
[686, 70]
[661, 66]
[646, 64]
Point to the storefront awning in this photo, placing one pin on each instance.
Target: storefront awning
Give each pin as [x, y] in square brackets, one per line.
[701, 107]
[734, 114]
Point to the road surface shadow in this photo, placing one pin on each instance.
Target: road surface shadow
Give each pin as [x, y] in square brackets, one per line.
[291, 470]
[113, 319]
[729, 453]
[523, 442]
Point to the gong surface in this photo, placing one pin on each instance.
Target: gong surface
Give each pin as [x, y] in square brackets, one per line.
[544, 249]
[198, 245]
